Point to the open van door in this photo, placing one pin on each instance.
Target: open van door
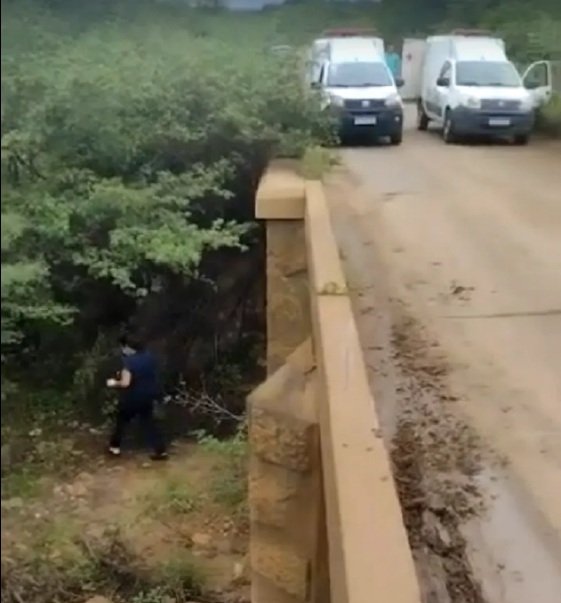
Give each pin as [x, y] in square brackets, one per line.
[537, 80]
[412, 56]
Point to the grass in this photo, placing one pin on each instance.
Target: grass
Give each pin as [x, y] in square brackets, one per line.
[174, 496]
[228, 486]
[24, 483]
[125, 530]
[46, 456]
[58, 548]
[173, 578]
[106, 566]
[316, 162]
[181, 573]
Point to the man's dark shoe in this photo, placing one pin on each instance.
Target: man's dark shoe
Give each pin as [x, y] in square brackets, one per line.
[160, 456]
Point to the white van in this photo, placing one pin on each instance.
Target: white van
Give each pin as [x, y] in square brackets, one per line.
[331, 39]
[359, 90]
[469, 87]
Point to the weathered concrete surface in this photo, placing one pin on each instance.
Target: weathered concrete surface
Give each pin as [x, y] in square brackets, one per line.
[326, 523]
[281, 194]
[368, 547]
[282, 440]
[285, 492]
[280, 200]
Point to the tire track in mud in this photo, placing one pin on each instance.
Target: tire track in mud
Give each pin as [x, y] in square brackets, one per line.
[436, 458]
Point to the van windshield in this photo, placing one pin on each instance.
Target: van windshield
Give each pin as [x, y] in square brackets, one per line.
[357, 74]
[487, 73]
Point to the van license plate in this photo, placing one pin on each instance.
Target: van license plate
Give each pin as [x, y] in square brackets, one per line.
[367, 120]
[499, 122]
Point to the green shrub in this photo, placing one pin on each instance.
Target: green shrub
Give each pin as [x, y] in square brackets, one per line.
[131, 147]
[549, 118]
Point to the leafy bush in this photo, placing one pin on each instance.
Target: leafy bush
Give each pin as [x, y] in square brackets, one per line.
[131, 149]
[549, 117]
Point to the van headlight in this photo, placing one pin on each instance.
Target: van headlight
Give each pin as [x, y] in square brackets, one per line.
[336, 101]
[393, 101]
[471, 102]
[527, 104]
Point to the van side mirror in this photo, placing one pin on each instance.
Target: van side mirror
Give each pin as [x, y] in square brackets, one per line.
[399, 82]
[443, 82]
[315, 85]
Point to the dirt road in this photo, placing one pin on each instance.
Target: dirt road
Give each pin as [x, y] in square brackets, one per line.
[465, 242]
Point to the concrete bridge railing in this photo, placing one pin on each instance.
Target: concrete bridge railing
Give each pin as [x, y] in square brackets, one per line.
[326, 524]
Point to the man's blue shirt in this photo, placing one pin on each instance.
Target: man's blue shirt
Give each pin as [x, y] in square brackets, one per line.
[144, 386]
[393, 61]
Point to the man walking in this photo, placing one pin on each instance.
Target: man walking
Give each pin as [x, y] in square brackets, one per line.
[139, 386]
[393, 61]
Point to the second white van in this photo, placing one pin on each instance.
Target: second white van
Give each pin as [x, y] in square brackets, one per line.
[469, 87]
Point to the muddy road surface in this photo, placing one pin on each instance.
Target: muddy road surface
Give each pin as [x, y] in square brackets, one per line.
[453, 255]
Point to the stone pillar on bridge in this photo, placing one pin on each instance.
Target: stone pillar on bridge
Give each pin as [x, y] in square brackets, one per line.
[280, 201]
[288, 550]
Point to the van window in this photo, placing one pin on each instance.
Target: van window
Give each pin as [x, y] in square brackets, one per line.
[357, 74]
[537, 77]
[487, 73]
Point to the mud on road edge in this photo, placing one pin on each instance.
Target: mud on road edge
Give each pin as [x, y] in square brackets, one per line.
[436, 458]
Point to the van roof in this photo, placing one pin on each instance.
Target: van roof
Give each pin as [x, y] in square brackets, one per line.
[480, 54]
[472, 47]
[349, 32]
[474, 39]
[354, 52]
[472, 33]
[345, 42]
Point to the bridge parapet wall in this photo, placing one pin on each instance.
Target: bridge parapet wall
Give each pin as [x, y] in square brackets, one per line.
[326, 524]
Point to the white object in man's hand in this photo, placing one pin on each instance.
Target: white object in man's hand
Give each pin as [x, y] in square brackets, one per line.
[111, 382]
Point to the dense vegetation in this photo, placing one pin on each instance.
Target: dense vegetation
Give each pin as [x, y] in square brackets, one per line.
[131, 149]
[133, 137]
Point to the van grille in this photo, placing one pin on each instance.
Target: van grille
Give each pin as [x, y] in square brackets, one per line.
[497, 104]
[359, 105]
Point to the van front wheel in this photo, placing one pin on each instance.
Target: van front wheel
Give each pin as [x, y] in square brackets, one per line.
[448, 134]
[396, 138]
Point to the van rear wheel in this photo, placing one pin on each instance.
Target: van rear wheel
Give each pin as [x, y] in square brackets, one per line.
[422, 119]
[448, 134]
